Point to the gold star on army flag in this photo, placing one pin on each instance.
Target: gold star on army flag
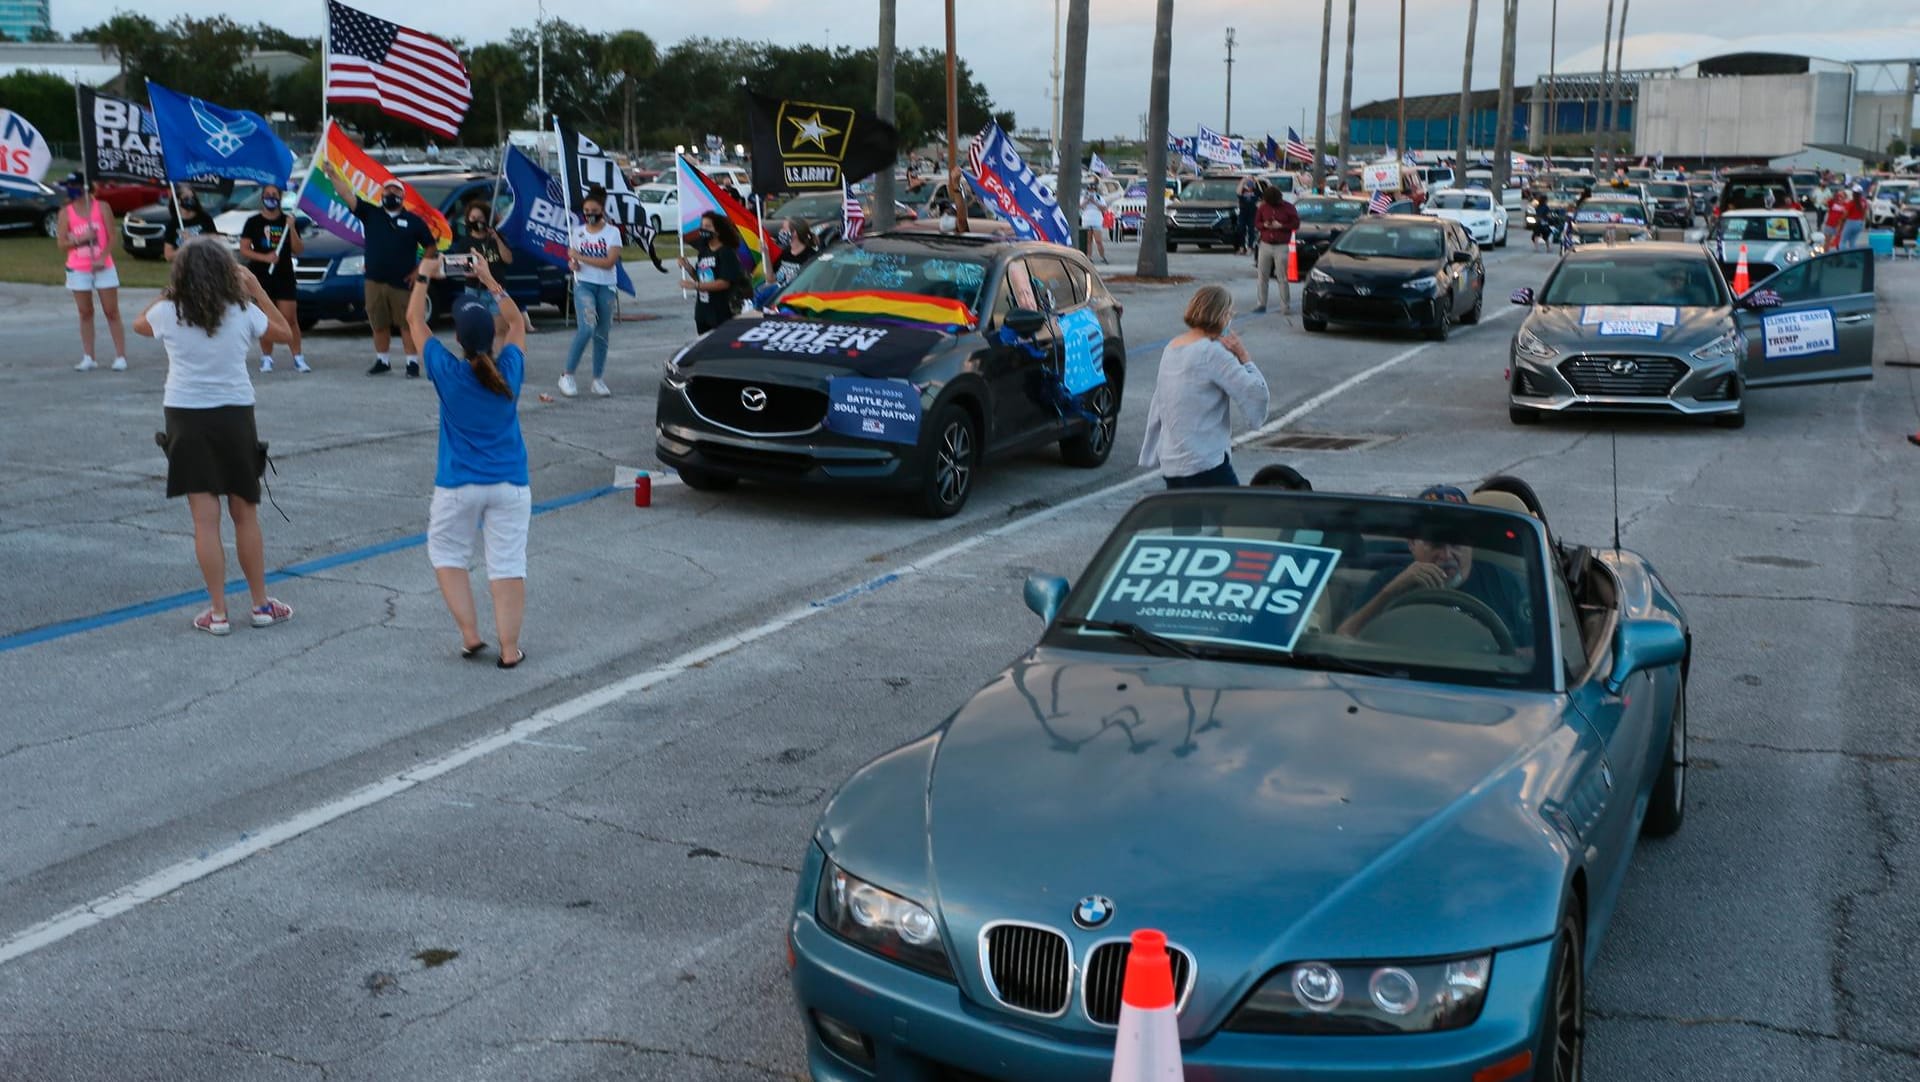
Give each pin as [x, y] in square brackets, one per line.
[805, 146]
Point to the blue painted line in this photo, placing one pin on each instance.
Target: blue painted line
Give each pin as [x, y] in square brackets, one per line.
[81, 625]
[852, 592]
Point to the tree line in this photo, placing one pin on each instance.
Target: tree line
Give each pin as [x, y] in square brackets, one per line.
[620, 88]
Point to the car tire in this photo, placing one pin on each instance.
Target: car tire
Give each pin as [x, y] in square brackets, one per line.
[1560, 1053]
[1667, 805]
[1523, 416]
[50, 224]
[701, 480]
[1500, 239]
[1473, 314]
[307, 323]
[1311, 325]
[1732, 420]
[1090, 449]
[1172, 247]
[950, 460]
[1443, 325]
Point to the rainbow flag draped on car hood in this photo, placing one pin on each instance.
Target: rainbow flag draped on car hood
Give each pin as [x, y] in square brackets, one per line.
[912, 307]
[699, 194]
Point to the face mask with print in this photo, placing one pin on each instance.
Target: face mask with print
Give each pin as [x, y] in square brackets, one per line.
[700, 236]
[593, 217]
[477, 227]
[785, 236]
[271, 202]
[188, 202]
[392, 202]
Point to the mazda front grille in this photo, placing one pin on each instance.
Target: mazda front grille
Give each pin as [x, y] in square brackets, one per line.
[784, 410]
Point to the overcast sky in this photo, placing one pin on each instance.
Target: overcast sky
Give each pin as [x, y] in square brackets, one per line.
[1009, 43]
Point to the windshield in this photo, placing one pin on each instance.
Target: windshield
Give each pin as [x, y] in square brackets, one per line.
[1215, 190]
[653, 195]
[1396, 240]
[1677, 281]
[856, 282]
[1771, 227]
[1417, 590]
[1457, 200]
[1597, 210]
[817, 207]
[1668, 190]
[1330, 210]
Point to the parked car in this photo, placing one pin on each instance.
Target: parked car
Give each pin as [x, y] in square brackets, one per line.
[899, 363]
[1771, 240]
[127, 196]
[1757, 189]
[1888, 195]
[1906, 218]
[331, 273]
[1400, 272]
[245, 204]
[1653, 328]
[1474, 208]
[1612, 216]
[143, 232]
[1205, 214]
[1672, 203]
[30, 209]
[825, 213]
[1323, 218]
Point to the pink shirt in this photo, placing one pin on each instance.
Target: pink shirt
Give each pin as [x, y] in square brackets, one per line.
[83, 258]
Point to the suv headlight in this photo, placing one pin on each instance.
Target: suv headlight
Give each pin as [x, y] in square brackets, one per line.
[1320, 276]
[1727, 345]
[351, 265]
[1419, 285]
[1373, 998]
[881, 921]
[676, 376]
[1530, 344]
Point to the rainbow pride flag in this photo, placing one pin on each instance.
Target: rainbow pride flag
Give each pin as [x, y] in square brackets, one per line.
[699, 194]
[913, 307]
[333, 210]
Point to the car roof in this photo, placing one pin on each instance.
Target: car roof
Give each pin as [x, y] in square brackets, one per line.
[1646, 249]
[1758, 212]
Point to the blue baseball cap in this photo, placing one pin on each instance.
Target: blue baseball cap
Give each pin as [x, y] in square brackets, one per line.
[473, 326]
[1443, 494]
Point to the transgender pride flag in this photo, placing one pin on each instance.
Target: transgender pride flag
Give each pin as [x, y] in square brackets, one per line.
[699, 195]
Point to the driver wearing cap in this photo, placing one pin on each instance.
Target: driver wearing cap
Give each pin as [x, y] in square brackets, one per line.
[1445, 565]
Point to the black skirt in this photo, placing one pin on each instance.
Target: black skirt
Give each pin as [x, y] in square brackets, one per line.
[214, 451]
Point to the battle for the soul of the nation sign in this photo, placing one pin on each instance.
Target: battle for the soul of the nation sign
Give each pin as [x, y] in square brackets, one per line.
[873, 409]
[1215, 589]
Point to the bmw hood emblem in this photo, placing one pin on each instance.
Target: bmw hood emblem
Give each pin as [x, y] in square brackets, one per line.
[1093, 911]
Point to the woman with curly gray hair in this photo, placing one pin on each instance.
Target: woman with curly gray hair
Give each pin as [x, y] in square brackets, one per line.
[208, 317]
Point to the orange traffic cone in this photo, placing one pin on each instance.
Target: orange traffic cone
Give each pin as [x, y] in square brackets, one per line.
[1741, 281]
[1293, 260]
[1148, 1046]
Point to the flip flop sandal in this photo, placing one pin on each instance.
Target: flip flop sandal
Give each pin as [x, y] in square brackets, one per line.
[472, 653]
[503, 663]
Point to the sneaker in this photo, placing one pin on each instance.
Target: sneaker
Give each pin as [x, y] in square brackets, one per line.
[413, 369]
[266, 364]
[380, 368]
[600, 388]
[1259, 308]
[275, 611]
[86, 365]
[300, 364]
[213, 623]
[119, 364]
[567, 386]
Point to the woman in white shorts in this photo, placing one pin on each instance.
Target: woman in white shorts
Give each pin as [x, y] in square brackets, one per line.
[480, 491]
[86, 234]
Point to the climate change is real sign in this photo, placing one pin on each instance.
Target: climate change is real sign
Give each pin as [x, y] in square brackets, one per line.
[1217, 589]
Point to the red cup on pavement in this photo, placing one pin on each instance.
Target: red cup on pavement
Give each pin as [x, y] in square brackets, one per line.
[642, 490]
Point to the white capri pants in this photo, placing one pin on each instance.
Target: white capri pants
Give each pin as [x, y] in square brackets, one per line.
[460, 516]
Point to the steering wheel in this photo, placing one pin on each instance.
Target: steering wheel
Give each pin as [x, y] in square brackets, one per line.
[1463, 602]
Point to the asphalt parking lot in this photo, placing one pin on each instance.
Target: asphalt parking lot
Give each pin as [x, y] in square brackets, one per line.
[334, 850]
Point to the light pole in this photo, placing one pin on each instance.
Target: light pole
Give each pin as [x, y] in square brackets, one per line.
[955, 194]
[1229, 124]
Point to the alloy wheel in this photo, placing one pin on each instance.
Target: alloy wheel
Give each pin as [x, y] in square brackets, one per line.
[1677, 751]
[955, 470]
[1569, 1016]
[1106, 412]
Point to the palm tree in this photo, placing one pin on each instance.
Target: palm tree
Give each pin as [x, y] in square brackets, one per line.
[1606, 122]
[1320, 111]
[883, 107]
[1466, 84]
[1614, 112]
[1503, 134]
[499, 67]
[631, 56]
[1153, 232]
[122, 37]
[1346, 93]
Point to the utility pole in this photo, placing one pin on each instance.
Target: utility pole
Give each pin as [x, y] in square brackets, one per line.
[1616, 113]
[1601, 120]
[883, 106]
[1073, 113]
[1228, 131]
[1466, 88]
[1346, 95]
[1053, 116]
[1403, 80]
[956, 188]
[1552, 122]
[1320, 112]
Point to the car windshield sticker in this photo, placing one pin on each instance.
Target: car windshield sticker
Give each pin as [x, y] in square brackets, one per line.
[1798, 334]
[873, 409]
[1210, 589]
[1635, 328]
[883, 351]
[1084, 343]
[1665, 315]
[1779, 229]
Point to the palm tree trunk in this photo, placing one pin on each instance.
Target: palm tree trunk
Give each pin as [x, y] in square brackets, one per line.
[499, 118]
[883, 107]
[1503, 134]
[1346, 94]
[1073, 116]
[1466, 86]
[1615, 118]
[1153, 231]
[1606, 121]
[1320, 109]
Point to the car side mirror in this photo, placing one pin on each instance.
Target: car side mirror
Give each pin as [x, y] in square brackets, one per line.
[1026, 322]
[1642, 644]
[1045, 594]
[1523, 296]
[1463, 257]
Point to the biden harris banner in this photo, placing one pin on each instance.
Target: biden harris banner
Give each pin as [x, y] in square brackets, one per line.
[1000, 177]
[1222, 590]
[541, 223]
[120, 139]
[24, 154]
[200, 139]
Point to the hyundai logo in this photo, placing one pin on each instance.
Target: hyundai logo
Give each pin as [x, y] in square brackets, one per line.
[1093, 911]
[754, 399]
[1623, 366]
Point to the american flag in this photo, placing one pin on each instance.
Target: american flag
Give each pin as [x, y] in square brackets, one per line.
[853, 218]
[1297, 148]
[976, 150]
[1380, 202]
[409, 75]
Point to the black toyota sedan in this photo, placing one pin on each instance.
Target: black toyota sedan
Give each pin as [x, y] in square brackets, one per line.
[899, 363]
[1322, 219]
[1397, 271]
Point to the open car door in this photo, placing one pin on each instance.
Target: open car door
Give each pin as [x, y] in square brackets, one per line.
[1821, 331]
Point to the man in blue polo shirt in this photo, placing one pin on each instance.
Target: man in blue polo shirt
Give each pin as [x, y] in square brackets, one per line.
[396, 238]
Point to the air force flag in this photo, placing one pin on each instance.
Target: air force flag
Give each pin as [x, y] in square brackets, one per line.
[202, 139]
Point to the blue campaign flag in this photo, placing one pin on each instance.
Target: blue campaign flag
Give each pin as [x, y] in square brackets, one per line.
[1005, 184]
[201, 139]
[541, 225]
[1084, 344]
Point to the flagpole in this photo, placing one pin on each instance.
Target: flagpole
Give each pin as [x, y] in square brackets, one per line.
[566, 187]
[80, 132]
[760, 226]
[679, 227]
[326, 72]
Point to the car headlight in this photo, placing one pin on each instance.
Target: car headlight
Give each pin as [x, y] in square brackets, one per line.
[881, 921]
[351, 265]
[1793, 255]
[1530, 344]
[1320, 276]
[1372, 998]
[1419, 285]
[676, 376]
[1727, 345]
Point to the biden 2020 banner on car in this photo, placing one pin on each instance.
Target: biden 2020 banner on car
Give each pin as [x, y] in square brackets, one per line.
[1212, 589]
[1003, 182]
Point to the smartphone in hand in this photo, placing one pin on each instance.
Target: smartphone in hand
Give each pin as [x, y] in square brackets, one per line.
[457, 265]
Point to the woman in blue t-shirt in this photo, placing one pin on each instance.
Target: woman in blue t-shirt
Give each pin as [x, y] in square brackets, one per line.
[480, 484]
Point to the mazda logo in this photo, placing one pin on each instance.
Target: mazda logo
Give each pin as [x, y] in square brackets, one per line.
[1624, 366]
[754, 399]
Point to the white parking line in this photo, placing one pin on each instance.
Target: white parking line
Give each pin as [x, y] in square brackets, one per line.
[163, 882]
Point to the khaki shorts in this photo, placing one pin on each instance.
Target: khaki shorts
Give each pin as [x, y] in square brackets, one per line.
[386, 305]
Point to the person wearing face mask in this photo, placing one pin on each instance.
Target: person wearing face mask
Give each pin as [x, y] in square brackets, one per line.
[189, 219]
[594, 256]
[714, 274]
[478, 239]
[1444, 563]
[268, 245]
[395, 239]
[796, 250]
[85, 232]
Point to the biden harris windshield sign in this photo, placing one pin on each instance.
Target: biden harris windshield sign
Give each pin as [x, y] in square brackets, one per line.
[1215, 589]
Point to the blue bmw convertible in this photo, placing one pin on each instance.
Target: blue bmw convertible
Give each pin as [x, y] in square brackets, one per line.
[1375, 766]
